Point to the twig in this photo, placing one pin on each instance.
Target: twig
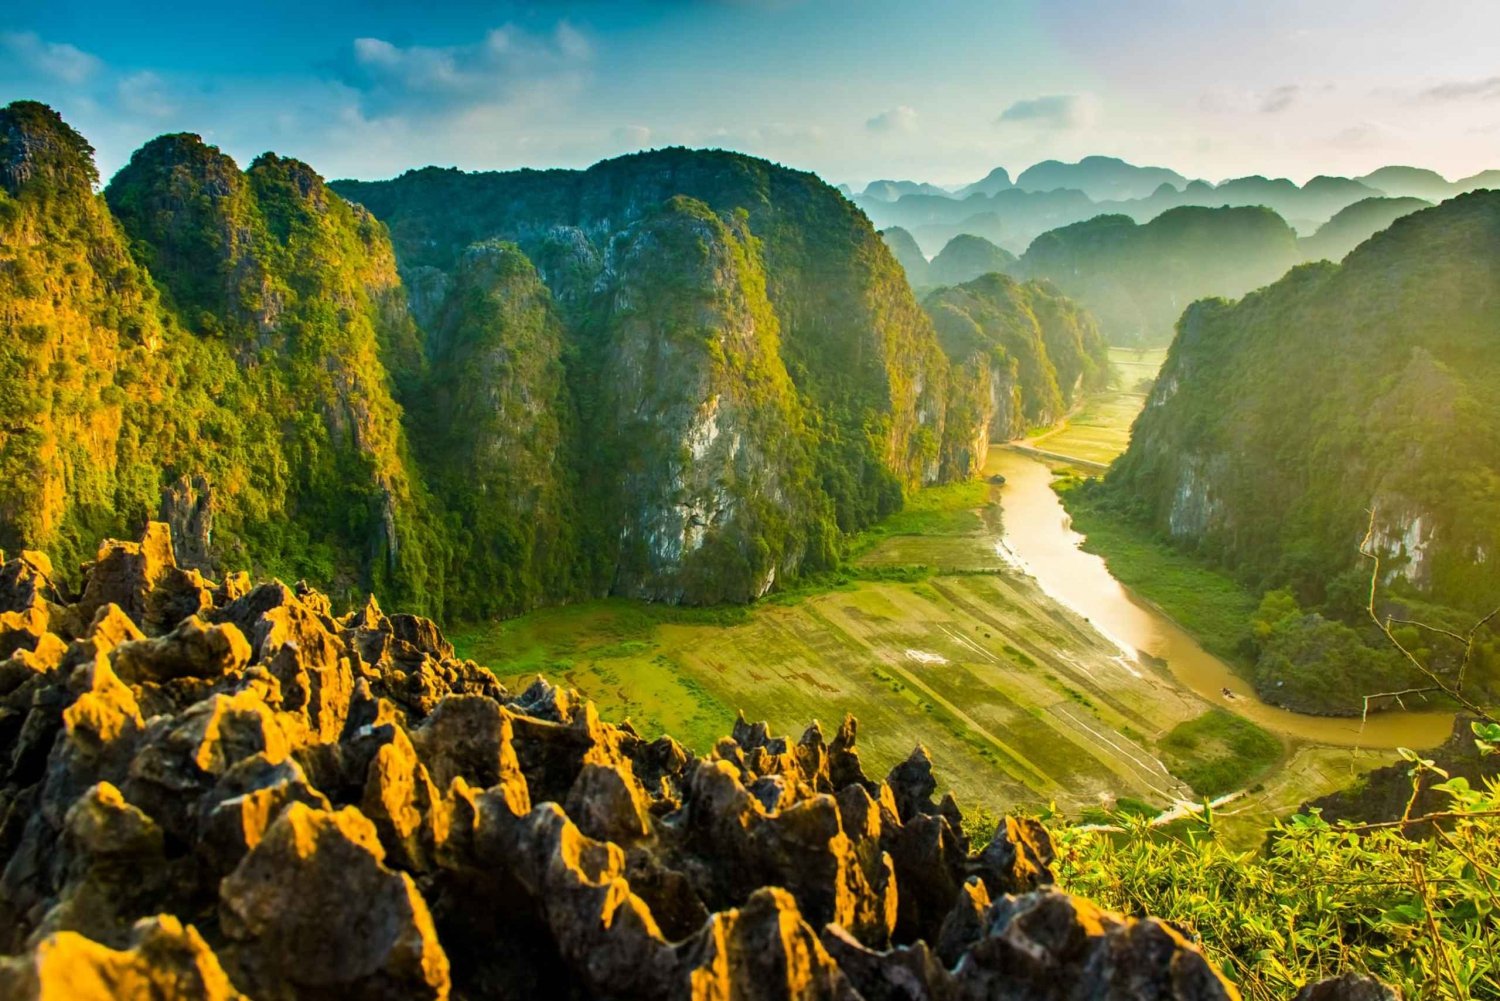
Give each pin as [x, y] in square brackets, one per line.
[1365, 713]
[1369, 552]
[1424, 818]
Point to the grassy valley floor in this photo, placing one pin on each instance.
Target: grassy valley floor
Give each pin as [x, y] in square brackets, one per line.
[1099, 430]
[1020, 701]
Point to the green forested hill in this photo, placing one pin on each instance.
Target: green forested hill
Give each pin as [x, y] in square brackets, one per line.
[1025, 353]
[966, 257]
[239, 391]
[1279, 422]
[1355, 224]
[681, 376]
[857, 346]
[1138, 278]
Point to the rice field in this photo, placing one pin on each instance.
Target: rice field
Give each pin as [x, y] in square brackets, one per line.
[1020, 702]
[1099, 430]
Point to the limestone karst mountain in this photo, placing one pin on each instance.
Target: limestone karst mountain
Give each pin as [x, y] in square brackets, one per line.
[1102, 178]
[1137, 279]
[966, 257]
[1281, 425]
[681, 376]
[226, 790]
[1355, 224]
[207, 345]
[1025, 354]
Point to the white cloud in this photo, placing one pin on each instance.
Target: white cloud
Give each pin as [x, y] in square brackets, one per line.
[1459, 90]
[901, 119]
[631, 137]
[769, 138]
[1279, 98]
[507, 65]
[143, 94]
[56, 61]
[1053, 111]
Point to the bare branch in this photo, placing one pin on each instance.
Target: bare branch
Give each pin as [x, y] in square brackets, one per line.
[1424, 818]
[1369, 551]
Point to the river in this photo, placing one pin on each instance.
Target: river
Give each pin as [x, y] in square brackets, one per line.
[1039, 538]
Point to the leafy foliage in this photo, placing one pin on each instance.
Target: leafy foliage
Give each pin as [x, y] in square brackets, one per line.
[1422, 913]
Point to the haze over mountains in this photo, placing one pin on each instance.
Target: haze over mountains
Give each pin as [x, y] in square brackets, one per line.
[681, 376]
[1052, 193]
[1138, 244]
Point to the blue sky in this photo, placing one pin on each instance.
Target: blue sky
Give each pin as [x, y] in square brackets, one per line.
[855, 89]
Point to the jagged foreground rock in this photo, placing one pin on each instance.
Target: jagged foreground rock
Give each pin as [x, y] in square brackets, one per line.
[219, 790]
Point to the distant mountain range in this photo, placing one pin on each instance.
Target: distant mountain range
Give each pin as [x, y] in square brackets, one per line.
[1138, 263]
[1012, 213]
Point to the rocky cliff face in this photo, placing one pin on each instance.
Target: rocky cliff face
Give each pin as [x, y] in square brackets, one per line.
[1280, 421]
[218, 790]
[500, 428]
[858, 350]
[1024, 355]
[710, 451]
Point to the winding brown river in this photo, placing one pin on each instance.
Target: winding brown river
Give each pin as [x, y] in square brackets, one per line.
[1039, 538]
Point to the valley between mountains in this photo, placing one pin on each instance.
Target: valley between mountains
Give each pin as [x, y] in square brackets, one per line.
[940, 633]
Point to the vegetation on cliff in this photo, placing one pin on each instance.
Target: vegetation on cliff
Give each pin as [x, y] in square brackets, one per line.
[1138, 278]
[238, 387]
[1246, 459]
[1025, 353]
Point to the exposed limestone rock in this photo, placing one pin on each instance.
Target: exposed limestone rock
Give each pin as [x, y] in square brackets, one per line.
[165, 961]
[1349, 987]
[187, 506]
[313, 906]
[343, 809]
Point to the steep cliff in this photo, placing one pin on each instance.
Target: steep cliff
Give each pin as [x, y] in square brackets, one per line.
[859, 351]
[712, 492]
[77, 318]
[223, 790]
[1024, 354]
[300, 289]
[499, 429]
[249, 407]
[1279, 422]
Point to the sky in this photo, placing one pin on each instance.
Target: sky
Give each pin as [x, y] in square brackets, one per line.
[856, 90]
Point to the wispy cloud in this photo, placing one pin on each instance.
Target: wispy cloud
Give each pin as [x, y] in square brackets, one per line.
[506, 64]
[1053, 111]
[57, 61]
[766, 139]
[1462, 90]
[631, 137]
[1278, 99]
[144, 94]
[900, 119]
